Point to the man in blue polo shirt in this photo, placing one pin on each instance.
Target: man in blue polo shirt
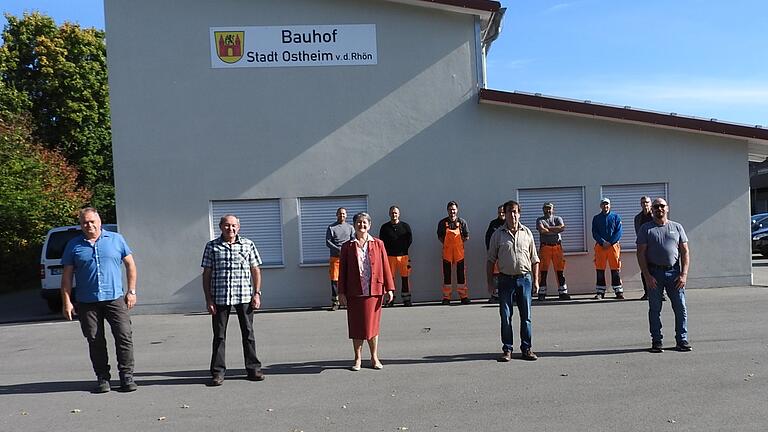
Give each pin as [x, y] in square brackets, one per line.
[94, 259]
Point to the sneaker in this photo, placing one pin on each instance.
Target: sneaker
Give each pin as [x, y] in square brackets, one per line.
[542, 297]
[216, 381]
[255, 375]
[507, 356]
[619, 296]
[466, 301]
[102, 386]
[127, 384]
[598, 296]
[657, 347]
[529, 355]
[334, 307]
[564, 296]
[446, 301]
[684, 346]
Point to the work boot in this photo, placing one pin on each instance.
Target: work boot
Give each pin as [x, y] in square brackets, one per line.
[102, 385]
[127, 384]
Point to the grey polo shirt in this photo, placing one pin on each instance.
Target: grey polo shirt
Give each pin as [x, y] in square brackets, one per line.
[514, 253]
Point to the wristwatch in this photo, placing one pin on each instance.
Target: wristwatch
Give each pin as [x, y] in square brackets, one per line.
[132, 292]
[257, 293]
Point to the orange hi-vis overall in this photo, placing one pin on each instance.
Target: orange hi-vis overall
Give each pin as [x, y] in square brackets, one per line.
[453, 253]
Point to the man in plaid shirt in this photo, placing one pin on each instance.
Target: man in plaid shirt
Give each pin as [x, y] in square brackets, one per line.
[230, 263]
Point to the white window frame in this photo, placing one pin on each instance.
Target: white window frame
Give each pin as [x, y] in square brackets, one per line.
[569, 204]
[260, 222]
[625, 201]
[315, 215]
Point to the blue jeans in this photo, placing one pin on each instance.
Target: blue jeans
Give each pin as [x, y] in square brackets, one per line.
[667, 279]
[515, 290]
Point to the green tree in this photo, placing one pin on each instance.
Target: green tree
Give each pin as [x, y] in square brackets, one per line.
[38, 190]
[62, 71]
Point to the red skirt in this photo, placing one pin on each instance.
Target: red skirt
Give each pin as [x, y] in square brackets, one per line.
[363, 316]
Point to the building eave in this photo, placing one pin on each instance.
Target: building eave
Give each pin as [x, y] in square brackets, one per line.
[755, 136]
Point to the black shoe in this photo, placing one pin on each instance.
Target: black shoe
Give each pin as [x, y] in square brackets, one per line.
[644, 297]
[255, 375]
[619, 296]
[657, 347]
[102, 386]
[391, 304]
[216, 381]
[542, 297]
[127, 384]
[466, 301]
[598, 296]
[684, 346]
[446, 301]
[493, 299]
[564, 296]
[529, 355]
[407, 303]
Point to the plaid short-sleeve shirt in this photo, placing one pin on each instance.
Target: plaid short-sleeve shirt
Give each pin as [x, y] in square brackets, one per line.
[231, 269]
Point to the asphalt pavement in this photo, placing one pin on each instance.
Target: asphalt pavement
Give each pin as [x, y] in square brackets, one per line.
[594, 372]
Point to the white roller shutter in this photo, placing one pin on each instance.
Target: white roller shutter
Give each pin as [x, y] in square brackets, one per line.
[625, 201]
[260, 222]
[315, 214]
[569, 205]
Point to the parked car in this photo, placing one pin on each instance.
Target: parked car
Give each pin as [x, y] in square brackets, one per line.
[759, 220]
[760, 241]
[50, 262]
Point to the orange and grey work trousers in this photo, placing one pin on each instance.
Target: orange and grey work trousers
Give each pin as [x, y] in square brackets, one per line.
[552, 253]
[613, 256]
[401, 264]
[333, 274]
[453, 253]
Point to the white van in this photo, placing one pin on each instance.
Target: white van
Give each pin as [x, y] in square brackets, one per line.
[50, 262]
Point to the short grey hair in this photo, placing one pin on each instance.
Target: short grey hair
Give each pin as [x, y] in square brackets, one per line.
[228, 215]
[362, 215]
[86, 210]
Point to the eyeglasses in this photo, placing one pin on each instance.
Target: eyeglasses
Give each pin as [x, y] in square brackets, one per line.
[658, 206]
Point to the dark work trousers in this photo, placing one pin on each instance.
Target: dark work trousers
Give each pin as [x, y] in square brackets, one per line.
[115, 312]
[220, 321]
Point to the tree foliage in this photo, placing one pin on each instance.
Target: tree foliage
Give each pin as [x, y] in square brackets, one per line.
[63, 74]
[38, 190]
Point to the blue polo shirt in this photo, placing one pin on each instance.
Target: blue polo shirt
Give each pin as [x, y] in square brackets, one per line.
[98, 273]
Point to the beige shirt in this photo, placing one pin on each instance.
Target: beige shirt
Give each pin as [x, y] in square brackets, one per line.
[514, 253]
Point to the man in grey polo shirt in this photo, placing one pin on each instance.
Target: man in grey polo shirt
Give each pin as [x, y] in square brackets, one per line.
[662, 252]
[512, 248]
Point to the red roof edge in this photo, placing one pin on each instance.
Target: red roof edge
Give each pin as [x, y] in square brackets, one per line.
[484, 5]
[625, 114]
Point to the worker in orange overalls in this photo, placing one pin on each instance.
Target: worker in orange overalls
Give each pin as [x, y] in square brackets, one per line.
[453, 232]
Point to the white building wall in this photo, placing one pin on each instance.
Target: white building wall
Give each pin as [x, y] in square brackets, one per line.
[406, 131]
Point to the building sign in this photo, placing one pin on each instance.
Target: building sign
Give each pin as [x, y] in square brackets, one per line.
[287, 46]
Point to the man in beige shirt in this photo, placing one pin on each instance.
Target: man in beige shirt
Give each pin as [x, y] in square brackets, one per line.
[513, 250]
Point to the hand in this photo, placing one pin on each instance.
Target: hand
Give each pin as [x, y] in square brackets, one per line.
[211, 308]
[68, 310]
[390, 296]
[491, 288]
[130, 300]
[535, 288]
[681, 280]
[256, 301]
[650, 281]
[342, 299]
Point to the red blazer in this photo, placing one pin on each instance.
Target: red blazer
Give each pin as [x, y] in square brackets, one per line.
[349, 272]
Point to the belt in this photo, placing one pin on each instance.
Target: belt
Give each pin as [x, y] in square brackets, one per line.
[660, 267]
[517, 276]
[551, 244]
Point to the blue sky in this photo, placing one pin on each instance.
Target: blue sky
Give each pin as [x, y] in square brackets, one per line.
[705, 58]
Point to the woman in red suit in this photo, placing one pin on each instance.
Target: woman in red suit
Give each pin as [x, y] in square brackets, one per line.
[364, 278]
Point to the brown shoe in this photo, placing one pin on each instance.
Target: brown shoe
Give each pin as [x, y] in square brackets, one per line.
[507, 356]
[529, 355]
[255, 375]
